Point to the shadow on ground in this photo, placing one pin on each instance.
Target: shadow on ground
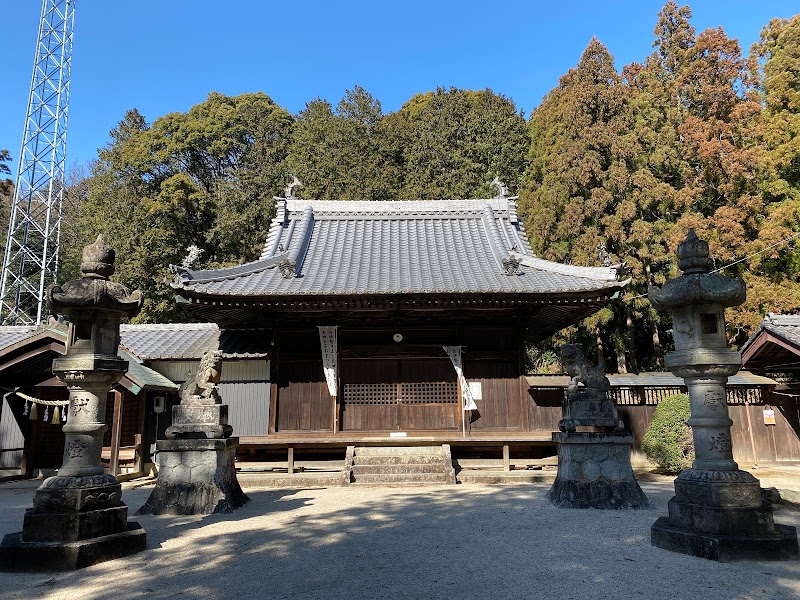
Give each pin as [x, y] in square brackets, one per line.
[433, 542]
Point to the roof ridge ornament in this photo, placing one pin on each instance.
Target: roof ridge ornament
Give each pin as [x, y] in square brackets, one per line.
[289, 191]
[193, 252]
[502, 189]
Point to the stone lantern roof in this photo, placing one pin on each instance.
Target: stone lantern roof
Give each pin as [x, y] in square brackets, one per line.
[697, 285]
[94, 290]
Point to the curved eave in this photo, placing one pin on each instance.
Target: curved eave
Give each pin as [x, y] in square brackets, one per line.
[602, 294]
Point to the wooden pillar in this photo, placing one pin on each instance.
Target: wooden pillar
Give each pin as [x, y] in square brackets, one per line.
[290, 461]
[139, 453]
[116, 433]
[273, 387]
[506, 458]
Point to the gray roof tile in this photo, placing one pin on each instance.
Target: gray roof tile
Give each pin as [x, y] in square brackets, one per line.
[11, 334]
[395, 247]
[143, 377]
[783, 326]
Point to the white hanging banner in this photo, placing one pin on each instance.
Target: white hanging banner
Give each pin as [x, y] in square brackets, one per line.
[454, 352]
[330, 347]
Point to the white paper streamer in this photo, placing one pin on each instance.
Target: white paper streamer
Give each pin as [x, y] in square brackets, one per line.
[454, 352]
[329, 345]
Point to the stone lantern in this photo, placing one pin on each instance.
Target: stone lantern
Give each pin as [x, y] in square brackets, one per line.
[78, 517]
[718, 511]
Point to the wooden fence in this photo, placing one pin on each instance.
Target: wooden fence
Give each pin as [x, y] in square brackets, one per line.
[636, 405]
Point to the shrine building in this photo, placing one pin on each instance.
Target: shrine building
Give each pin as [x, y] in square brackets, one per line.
[401, 321]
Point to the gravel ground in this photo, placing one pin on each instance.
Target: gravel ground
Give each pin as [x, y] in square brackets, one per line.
[465, 541]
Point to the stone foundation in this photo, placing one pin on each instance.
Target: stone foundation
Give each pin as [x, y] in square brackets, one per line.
[195, 476]
[594, 471]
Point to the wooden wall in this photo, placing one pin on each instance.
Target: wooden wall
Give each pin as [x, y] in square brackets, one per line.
[370, 358]
[130, 418]
[503, 389]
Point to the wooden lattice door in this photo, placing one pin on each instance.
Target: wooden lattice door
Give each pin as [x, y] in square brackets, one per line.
[396, 394]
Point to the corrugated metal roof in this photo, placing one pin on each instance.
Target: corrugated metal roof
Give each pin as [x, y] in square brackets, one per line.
[742, 378]
[190, 340]
[396, 247]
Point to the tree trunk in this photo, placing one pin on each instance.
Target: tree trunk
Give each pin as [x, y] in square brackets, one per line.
[601, 359]
[631, 342]
[654, 328]
[657, 345]
[622, 363]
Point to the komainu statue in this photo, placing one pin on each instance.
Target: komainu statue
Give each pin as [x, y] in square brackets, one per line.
[594, 463]
[202, 387]
[201, 413]
[587, 402]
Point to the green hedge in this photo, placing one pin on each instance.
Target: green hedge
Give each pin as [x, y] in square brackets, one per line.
[668, 440]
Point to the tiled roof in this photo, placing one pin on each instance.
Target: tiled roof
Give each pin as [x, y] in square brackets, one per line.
[317, 248]
[11, 334]
[144, 377]
[647, 379]
[139, 375]
[188, 341]
[786, 327]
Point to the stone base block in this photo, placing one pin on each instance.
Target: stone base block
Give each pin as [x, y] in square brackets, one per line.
[778, 544]
[724, 520]
[195, 477]
[604, 495]
[66, 494]
[197, 421]
[594, 471]
[73, 526]
[18, 555]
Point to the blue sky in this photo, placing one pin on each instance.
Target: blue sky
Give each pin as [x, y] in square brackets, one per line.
[162, 56]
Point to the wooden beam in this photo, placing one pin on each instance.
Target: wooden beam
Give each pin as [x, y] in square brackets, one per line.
[116, 432]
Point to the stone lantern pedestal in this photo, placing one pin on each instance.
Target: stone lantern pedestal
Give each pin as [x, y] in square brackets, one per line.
[78, 517]
[718, 511]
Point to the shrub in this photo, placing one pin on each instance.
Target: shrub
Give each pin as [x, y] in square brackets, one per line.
[668, 439]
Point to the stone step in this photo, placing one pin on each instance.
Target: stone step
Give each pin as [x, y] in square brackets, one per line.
[398, 450]
[410, 468]
[398, 459]
[400, 478]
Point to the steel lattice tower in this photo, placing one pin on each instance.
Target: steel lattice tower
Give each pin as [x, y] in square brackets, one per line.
[31, 257]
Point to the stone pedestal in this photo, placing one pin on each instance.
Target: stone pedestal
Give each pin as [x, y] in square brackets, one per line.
[195, 476]
[721, 515]
[75, 522]
[199, 421]
[594, 471]
[196, 470]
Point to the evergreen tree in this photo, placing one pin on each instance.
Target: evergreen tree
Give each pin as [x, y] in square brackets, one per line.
[202, 178]
[576, 192]
[344, 155]
[454, 142]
